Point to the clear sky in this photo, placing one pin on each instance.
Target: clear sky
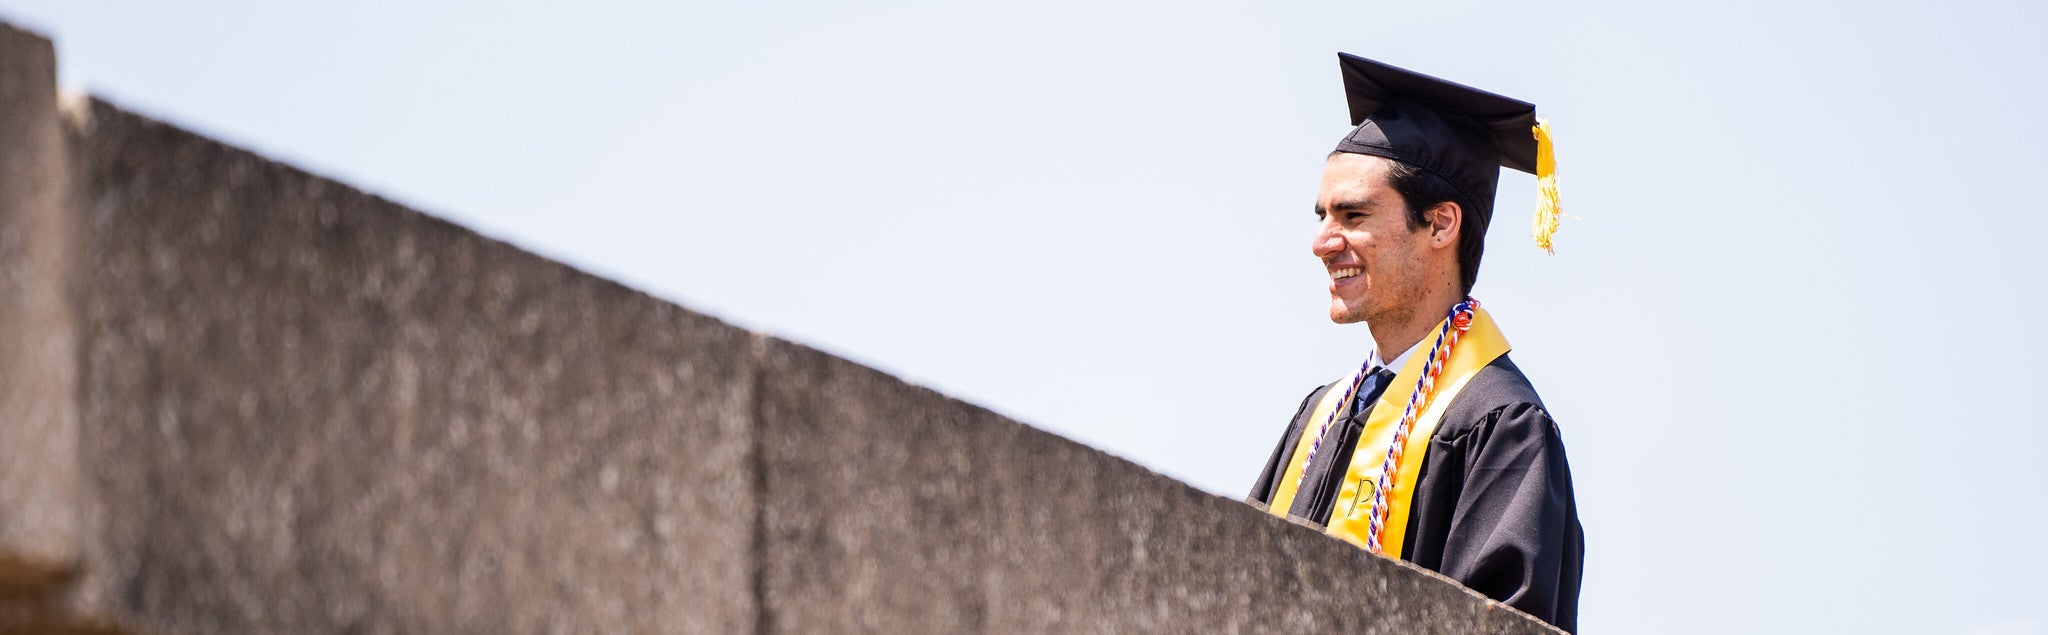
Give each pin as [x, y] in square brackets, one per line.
[1791, 336]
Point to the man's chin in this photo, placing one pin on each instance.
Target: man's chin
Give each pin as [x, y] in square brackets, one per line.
[1344, 315]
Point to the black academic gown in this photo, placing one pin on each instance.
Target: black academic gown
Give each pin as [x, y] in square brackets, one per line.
[1493, 505]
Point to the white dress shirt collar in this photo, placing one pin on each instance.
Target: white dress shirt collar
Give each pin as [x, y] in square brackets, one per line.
[1398, 361]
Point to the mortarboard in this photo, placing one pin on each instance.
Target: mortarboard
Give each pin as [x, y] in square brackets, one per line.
[1462, 134]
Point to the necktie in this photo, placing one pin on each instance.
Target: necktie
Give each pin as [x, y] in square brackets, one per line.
[1375, 385]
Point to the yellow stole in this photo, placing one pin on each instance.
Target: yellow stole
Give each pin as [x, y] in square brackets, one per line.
[1352, 519]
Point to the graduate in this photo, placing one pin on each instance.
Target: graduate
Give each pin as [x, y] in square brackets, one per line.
[1436, 450]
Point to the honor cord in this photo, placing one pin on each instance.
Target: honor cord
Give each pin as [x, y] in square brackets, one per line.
[1357, 380]
[1439, 354]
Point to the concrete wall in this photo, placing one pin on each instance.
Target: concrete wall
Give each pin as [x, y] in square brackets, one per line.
[242, 398]
[342, 414]
[40, 478]
[890, 508]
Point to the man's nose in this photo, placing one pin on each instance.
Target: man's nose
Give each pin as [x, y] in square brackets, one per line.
[1327, 242]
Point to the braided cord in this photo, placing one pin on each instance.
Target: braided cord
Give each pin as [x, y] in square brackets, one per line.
[1439, 354]
[1357, 380]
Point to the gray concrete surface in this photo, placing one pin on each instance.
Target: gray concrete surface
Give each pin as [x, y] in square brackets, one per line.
[39, 471]
[243, 398]
[891, 508]
[319, 411]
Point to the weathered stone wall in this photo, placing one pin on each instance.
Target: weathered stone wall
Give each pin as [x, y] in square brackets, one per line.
[40, 481]
[342, 414]
[890, 508]
[242, 398]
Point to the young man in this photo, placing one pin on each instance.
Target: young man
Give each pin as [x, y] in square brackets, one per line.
[1437, 450]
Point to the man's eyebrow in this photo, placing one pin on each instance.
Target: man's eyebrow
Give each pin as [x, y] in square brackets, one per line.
[1350, 205]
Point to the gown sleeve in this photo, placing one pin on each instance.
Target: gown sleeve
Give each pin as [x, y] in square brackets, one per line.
[1262, 489]
[1514, 532]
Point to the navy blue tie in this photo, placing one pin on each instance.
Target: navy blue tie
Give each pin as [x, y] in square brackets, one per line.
[1375, 385]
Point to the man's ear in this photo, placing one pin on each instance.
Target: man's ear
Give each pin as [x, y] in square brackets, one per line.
[1446, 221]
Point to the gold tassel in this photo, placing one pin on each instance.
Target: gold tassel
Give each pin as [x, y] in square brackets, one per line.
[1548, 210]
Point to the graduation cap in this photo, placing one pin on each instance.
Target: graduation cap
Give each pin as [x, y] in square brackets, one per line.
[1462, 134]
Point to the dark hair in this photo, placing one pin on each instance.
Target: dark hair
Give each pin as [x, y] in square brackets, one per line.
[1424, 190]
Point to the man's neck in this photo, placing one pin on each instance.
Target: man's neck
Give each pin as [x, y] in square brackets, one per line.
[1397, 333]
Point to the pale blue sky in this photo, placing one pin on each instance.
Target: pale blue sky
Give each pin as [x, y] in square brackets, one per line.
[1789, 337]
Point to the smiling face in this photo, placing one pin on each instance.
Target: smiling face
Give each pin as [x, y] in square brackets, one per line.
[1379, 264]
